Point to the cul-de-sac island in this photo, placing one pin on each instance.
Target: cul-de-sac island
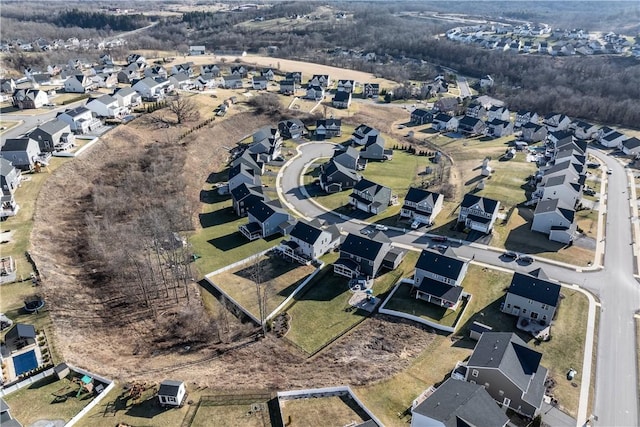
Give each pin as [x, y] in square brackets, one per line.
[319, 214]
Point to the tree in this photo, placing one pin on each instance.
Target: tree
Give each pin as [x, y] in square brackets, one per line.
[184, 108]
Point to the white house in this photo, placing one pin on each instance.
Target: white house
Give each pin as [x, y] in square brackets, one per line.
[478, 213]
[78, 83]
[486, 81]
[556, 219]
[107, 106]
[171, 393]
[80, 120]
[315, 92]
[149, 88]
[127, 97]
[197, 50]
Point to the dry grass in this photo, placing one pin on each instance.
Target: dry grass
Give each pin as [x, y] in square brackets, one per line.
[326, 411]
[230, 415]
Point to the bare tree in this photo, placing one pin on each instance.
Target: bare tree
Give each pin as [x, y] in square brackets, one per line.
[184, 108]
[257, 276]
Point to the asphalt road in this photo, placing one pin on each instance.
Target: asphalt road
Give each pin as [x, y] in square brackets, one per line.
[463, 85]
[616, 395]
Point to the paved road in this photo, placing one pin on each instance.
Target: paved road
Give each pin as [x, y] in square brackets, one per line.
[463, 85]
[616, 397]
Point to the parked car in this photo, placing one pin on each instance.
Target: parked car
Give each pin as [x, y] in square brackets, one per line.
[511, 254]
[525, 259]
[415, 224]
[442, 247]
[439, 238]
[365, 231]
[381, 227]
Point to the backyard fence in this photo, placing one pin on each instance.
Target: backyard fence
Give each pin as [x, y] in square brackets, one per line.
[26, 382]
[287, 300]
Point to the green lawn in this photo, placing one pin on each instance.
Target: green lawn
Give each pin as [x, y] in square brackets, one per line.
[326, 411]
[279, 279]
[231, 415]
[321, 312]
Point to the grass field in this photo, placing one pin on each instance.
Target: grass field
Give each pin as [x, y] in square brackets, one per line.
[279, 279]
[5, 125]
[322, 312]
[232, 415]
[323, 411]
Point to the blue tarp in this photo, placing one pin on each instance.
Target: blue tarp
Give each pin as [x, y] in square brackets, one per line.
[25, 362]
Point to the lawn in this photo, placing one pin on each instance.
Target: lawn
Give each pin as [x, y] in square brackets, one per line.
[5, 125]
[335, 411]
[564, 350]
[321, 312]
[279, 279]
[36, 402]
[231, 415]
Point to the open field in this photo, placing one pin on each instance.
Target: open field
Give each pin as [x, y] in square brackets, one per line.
[5, 125]
[335, 411]
[278, 279]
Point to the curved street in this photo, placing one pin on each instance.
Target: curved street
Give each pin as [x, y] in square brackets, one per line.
[616, 382]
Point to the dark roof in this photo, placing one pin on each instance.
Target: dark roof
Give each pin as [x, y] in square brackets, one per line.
[3, 405]
[440, 264]
[61, 367]
[553, 205]
[469, 121]
[417, 195]
[306, 232]
[369, 186]
[441, 290]
[243, 190]
[169, 388]
[5, 167]
[362, 247]
[240, 169]
[53, 126]
[25, 331]
[631, 143]
[459, 403]
[442, 117]
[421, 113]
[341, 96]
[487, 205]
[329, 122]
[124, 91]
[531, 125]
[263, 210]
[535, 288]
[17, 144]
[335, 167]
[480, 327]
[73, 112]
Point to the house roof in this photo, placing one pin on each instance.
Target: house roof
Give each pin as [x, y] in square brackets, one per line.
[555, 205]
[442, 117]
[498, 122]
[306, 232]
[613, 136]
[124, 91]
[17, 144]
[241, 169]
[259, 78]
[337, 168]
[105, 99]
[631, 143]
[3, 405]
[531, 125]
[24, 330]
[243, 190]
[441, 290]
[421, 113]
[341, 96]
[469, 121]
[169, 388]
[440, 264]
[418, 195]
[487, 205]
[53, 126]
[5, 167]
[459, 403]
[369, 186]
[74, 112]
[350, 152]
[329, 122]
[535, 288]
[362, 247]
[264, 210]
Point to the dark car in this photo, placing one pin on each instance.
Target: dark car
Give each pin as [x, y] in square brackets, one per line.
[439, 238]
[525, 259]
[511, 254]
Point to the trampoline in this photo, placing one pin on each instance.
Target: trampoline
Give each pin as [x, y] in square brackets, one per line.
[25, 362]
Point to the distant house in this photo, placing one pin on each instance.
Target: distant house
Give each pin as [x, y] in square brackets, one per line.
[292, 129]
[267, 144]
[371, 90]
[532, 297]
[52, 135]
[438, 279]
[204, 82]
[309, 241]
[471, 126]
[456, 403]
[181, 81]
[631, 146]
[250, 160]
[477, 110]
[127, 97]
[322, 80]
[370, 197]
[373, 149]
[156, 71]
[135, 58]
[486, 81]
[10, 178]
[315, 92]
[80, 120]
[612, 139]
[362, 256]
[296, 76]
[107, 80]
[242, 174]
[268, 73]
[362, 133]
[532, 132]
[346, 86]
[171, 393]
[107, 106]
[240, 71]
[197, 50]
[209, 70]
[446, 105]
[341, 99]
[259, 82]
[244, 195]
[563, 187]
[266, 219]
[78, 83]
[149, 89]
[288, 87]
[496, 112]
[421, 205]
[498, 128]
[445, 122]
[555, 121]
[21, 152]
[584, 130]
[560, 137]
[478, 213]
[336, 178]
[8, 85]
[29, 98]
[510, 372]
[524, 116]
[556, 219]
[328, 128]
[421, 117]
[232, 82]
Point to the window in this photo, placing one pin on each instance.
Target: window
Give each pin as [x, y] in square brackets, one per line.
[508, 305]
[506, 401]
[545, 306]
[474, 373]
[534, 315]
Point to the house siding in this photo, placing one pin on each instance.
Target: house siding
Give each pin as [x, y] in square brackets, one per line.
[499, 382]
[525, 307]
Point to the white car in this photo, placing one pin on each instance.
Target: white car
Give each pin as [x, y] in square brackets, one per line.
[381, 227]
[415, 224]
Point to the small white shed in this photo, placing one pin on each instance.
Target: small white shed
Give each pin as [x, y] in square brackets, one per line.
[171, 393]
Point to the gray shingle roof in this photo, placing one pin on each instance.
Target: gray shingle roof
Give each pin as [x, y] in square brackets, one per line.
[169, 388]
[440, 264]
[306, 232]
[362, 247]
[487, 205]
[535, 288]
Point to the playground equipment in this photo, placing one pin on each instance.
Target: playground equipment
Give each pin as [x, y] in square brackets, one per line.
[76, 387]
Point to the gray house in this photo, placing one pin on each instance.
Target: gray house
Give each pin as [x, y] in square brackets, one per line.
[288, 87]
[421, 205]
[52, 135]
[309, 241]
[370, 197]
[244, 196]
[335, 178]
[556, 219]
[242, 174]
[510, 372]
[9, 181]
[471, 126]
[328, 128]
[266, 219]
[478, 213]
[374, 149]
[532, 132]
[250, 160]
[349, 158]
[21, 152]
[362, 256]
[421, 117]
[532, 297]
[292, 128]
[457, 403]
[438, 279]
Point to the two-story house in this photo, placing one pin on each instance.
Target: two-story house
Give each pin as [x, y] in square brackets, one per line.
[532, 297]
[500, 113]
[78, 83]
[373, 149]
[308, 241]
[322, 80]
[335, 178]
[197, 50]
[498, 128]
[315, 92]
[288, 87]
[266, 219]
[346, 86]
[251, 160]
[477, 110]
[444, 122]
[348, 157]
[29, 98]
[127, 97]
[478, 213]
[240, 71]
[447, 105]
[156, 71]
[21, 152]
[370, 197]
[421, 205]
[420, 116]
[438, 279]
[328, 128]
[525, 116]
[259, 82]
[149, 89]
[244, 196]
[341, 99]
[52, 135]
[362, 256]
[107, 106]
[371, 90]
[80, 120]
[556, 219]
[532, 132]
[210, 71]
[471, 126]
[292, 128]
[509, 371]
[242, 174]
[556, 121]
[296, 76]
[9, 181]
[268, 73]
[186, 68]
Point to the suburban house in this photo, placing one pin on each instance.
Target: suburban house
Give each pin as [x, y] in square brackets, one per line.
[478, 213]
[296, 76]
[498, 128]
[9, 181]
[267, 143]
[532, 297]
[171, 393]
[197, 50]
[80, 119]
[266, 219]
[232, 82]
[20, 351]
[346, 86]
[555, 121]
[477, 110]
[486, 81]
[336, 178]
[288, 87]
[348, 157]
[204, 82]
[421, 117]
[421, 205]
[135, 58]
[438, 279]
[149, 89]
[322, 80]
[78, 83]
[181, 81]
[29, 98]
[560, 137]
[107, 106]
[631, 146]
[108, 80]
[156, 71]
[446, 105]
[268, 73]
[292, 128]
[209, 70]
[532, 132]
[370, 197]
[242, 174]
[6, 419]
[328, 128]
[361, 134]
[370, 90]
[240, 71]
[584, 130]
[510, 372]
[52, 135]
[496, 112]
[21, 152]
[341, 99]
[471, 126]
[8, 85]
[251, 160]
[308, 241]
[524, 116]
[244, 196]
[259, 82]
[374, 149]
[186, 68]
[564, 187]
[127, 76]
[444, 122]
[362, 256]
[556, 219]
[127, 97]
[612, 139]
[455, 404]
[315, 92]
